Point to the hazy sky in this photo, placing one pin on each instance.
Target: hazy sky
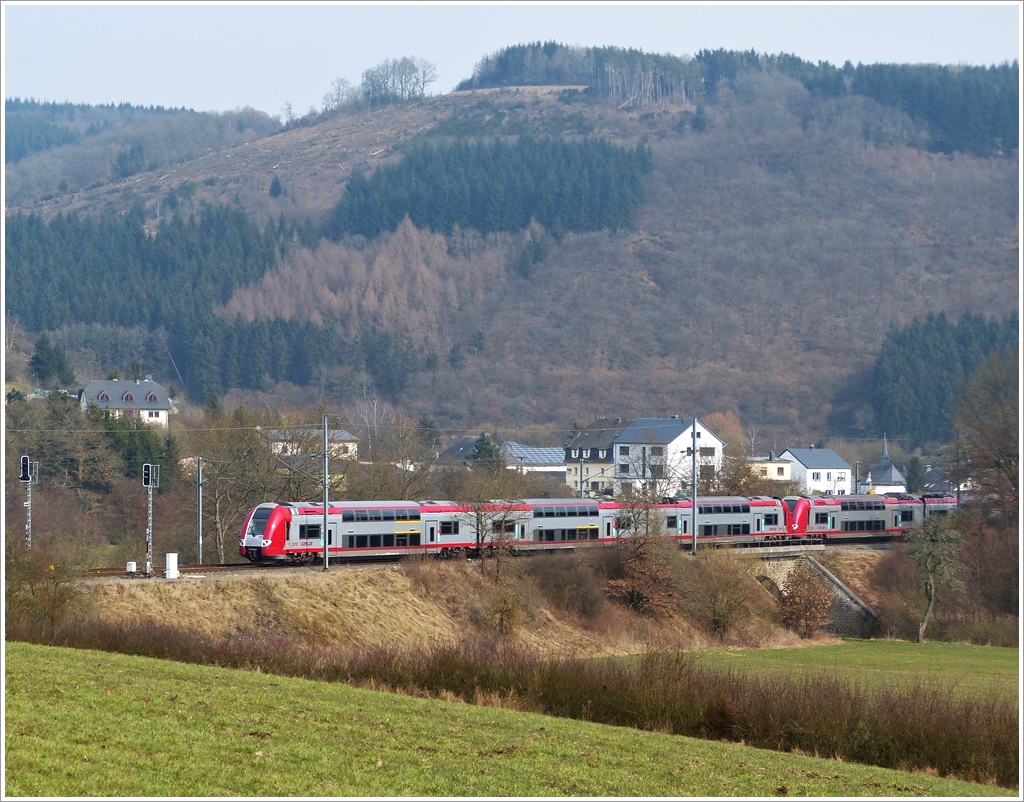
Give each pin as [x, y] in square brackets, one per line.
[220, 57]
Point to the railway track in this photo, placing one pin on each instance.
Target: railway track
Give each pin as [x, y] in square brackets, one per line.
[97, 573]
[866, 544]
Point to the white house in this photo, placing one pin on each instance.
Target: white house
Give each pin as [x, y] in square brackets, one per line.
[820, 471]
[658, 453]
[142, 398]
[303, 441]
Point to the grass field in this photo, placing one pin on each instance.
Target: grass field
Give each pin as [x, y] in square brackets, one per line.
[969, 670]
[85, 723]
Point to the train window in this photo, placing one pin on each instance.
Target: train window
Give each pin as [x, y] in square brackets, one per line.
[569, 534]
[401, 540]
[717, 508]
[862, 526]
[360, 541]
[388, 541]
[560, 512]
[414, 514]
[362, 515]
[374, 515]
[821, 518]
[311, 532]
[374, 541]
[771, 519]
[709, 530]
[671, 522]
[907, 517]
[348, 515]
[414, 539]
[388, 515]
[737, 529]
[449, 527]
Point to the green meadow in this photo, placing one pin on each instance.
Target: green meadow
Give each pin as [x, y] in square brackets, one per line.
[87, 723]
[968, 670]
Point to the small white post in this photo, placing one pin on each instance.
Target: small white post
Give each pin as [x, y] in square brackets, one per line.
[171, 571]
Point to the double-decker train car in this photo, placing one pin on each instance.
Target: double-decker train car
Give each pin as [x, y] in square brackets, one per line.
[293, 531]
[837, 518]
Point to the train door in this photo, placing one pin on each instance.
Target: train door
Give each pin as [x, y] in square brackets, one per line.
[431, 530]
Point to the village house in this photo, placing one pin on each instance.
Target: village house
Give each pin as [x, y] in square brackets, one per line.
[820, 471]
[142, 398]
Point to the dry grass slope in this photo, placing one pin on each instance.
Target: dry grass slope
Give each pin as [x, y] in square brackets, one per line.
[406, 607]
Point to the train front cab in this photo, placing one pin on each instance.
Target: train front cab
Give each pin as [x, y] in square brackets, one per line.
[263, 532]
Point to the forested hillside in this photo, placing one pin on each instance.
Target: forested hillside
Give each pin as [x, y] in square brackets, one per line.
[741, 239]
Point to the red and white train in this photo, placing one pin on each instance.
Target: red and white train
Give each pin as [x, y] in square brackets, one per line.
[292, 531]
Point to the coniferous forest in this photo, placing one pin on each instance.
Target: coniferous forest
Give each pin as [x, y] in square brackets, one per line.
[918, 374]
[496, 186]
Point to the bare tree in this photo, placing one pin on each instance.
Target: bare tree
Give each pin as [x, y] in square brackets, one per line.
[238, 469]
[337, 96]
[426, 74]
[934, 549]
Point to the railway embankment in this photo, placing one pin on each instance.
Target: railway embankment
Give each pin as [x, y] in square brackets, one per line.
[406, 605]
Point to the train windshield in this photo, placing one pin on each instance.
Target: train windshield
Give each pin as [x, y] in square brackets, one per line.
[259, 521]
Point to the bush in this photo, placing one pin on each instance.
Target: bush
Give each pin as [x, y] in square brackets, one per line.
[40, 591]
[569, 582]
[805, 601]
[718, 592]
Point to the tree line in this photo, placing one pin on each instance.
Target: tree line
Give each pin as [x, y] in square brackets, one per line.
[626, 76]
[969, 109]
[921, 367]
[33, 126]
[499, 186]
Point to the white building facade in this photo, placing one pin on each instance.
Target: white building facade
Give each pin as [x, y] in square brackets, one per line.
[820, 471]
[657, 454]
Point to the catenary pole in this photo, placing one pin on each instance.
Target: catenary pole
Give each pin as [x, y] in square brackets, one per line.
[326, 502]
[693, 487]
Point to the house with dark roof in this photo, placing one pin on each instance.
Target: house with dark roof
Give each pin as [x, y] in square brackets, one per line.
[142, 398]
[820, 471]
[590, 456]
[458, 453]
[652, 453]
[660, 453]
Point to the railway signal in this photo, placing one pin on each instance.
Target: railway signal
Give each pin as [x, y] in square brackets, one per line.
[150, 480]
[29, 476]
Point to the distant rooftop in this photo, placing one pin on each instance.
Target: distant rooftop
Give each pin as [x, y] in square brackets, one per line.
[517, 453]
